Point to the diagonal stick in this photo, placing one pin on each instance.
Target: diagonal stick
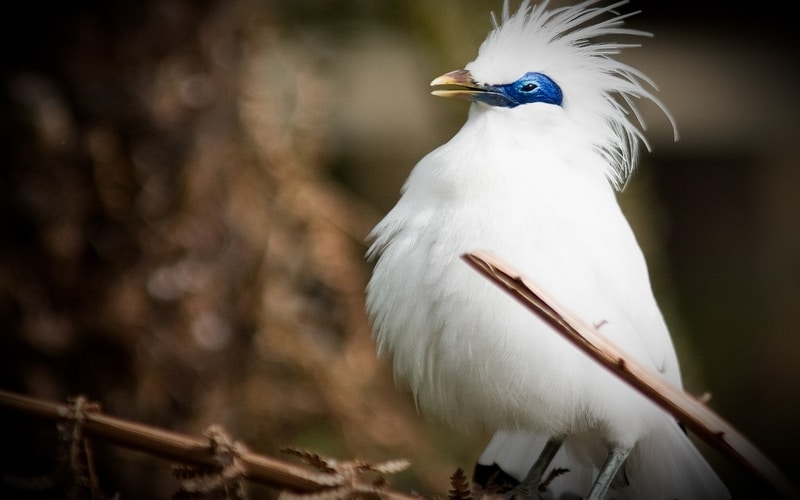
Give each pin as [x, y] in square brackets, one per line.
[686, 408]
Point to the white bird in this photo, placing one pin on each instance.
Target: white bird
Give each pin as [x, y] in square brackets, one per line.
[531, 177]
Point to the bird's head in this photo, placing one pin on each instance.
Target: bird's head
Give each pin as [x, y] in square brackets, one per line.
[539, 57]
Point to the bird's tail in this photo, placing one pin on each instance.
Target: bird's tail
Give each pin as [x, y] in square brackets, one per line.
[664, 465]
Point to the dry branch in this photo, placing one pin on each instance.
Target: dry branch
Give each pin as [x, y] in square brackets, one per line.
[180, 448]
[692, 412]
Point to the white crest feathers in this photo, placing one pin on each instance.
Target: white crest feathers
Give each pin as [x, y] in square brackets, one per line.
[599, 91]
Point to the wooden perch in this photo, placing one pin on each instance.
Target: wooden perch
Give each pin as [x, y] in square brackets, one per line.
[186, 449]
[686, 408]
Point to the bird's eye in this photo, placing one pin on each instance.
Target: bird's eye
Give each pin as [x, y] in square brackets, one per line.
[530, 88]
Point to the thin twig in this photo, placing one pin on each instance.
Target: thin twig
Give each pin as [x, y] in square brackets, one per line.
[177, 447]
[686, 408]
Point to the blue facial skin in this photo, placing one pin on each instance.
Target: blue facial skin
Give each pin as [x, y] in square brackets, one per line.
[530, 88]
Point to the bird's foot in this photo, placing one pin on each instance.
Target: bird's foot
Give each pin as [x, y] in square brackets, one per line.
[528, 488]
[525, 492]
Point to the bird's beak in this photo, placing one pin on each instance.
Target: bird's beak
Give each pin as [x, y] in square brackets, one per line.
[462, 85]
[457, 83]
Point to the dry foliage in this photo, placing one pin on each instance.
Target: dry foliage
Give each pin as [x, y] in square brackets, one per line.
[459, 486]
[174, 246]
[216, 467]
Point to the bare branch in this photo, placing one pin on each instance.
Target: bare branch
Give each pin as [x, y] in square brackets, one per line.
[692, 412]
[181, 448]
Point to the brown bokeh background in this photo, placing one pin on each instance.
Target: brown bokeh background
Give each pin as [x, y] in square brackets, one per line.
[186, 187]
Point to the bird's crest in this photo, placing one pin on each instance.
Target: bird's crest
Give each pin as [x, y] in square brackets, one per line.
[573, 46]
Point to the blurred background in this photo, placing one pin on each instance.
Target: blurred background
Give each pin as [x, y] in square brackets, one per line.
[185, 188]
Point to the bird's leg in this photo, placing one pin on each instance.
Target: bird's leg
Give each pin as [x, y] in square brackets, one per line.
[616, 458]
[530, 484]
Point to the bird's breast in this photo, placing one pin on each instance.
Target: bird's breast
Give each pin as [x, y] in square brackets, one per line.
[471, 354]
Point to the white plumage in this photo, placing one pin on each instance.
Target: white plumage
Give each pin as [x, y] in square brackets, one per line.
[531, 177]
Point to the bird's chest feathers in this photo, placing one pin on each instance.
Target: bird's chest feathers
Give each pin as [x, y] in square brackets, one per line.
[510, 179]
[538, 201]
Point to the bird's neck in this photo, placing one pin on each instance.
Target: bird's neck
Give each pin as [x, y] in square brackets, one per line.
[538, 144]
